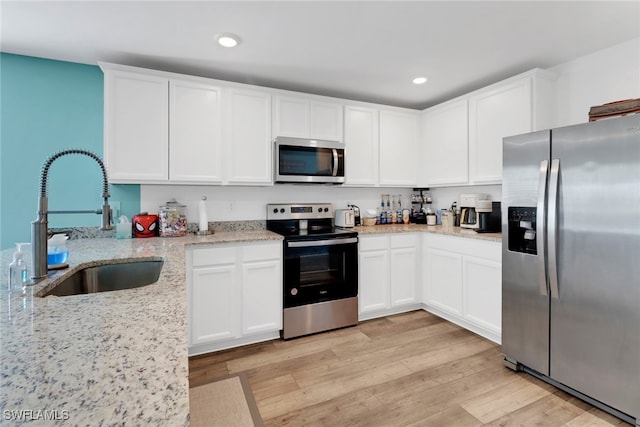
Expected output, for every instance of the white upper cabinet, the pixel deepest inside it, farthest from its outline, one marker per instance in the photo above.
(361, 145)
(398, 148)
(136, 118)
(462, 138)
(195, 132)
(493, 114)
(307, 118)
(248, 136)
(445, 144)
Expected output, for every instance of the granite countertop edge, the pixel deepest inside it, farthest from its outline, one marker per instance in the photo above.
(435, 229)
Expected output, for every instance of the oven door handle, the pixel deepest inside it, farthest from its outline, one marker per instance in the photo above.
(328, 242)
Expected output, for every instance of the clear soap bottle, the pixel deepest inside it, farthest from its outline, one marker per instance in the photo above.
(18, 276)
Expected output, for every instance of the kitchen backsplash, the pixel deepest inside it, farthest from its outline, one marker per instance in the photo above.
(239, 204)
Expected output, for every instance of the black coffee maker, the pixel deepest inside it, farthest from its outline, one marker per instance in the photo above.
(489, 216)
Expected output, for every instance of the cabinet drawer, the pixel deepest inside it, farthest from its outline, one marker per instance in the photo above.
(214, 255)
(373, 243)
(404, 241)
(262, 251)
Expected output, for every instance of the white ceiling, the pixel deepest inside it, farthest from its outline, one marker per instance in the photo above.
(360, 50)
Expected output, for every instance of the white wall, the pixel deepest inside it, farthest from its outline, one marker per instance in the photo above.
(249, 203)
(607, 75)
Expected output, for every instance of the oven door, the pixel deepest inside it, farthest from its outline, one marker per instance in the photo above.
(320, 270)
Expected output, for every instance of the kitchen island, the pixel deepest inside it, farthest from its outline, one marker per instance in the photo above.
(105, 358)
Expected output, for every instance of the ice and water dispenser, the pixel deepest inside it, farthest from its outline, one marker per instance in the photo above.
(522, 230)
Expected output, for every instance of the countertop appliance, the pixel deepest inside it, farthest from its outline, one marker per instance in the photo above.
(571, 278)
(320, 280)
(312, 161)
(468, 213)
(345, 218)
(489, 216)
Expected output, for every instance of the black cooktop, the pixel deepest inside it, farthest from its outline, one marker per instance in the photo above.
(316, 230)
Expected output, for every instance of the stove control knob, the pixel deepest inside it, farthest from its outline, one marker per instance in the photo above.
(281, 210)
(319, 209)
(326, 209)
(294, 291)
(275, 210)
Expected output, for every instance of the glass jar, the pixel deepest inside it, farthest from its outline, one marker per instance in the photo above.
(172, 219)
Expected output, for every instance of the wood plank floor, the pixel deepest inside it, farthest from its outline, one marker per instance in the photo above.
(411, 369)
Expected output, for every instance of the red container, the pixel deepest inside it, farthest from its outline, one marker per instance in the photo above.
(145, 225)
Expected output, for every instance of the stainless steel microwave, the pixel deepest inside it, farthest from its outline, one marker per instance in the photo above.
(299, 160)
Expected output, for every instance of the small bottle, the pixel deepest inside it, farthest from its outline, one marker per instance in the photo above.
(399, 209)
(394, 211)
(388, 209)
(17, 270)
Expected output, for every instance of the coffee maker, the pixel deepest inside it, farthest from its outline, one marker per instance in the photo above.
(489, 216)
(468, 209)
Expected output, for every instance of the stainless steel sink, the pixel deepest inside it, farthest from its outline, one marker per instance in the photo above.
(109, 277)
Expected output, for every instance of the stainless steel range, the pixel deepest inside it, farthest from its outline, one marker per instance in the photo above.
(320, 268)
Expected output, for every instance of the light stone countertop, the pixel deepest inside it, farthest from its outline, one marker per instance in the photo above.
(110, 358)
(437, 229)
(113, 358)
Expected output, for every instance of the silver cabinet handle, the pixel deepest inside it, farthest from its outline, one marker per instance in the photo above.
(552, 228)
(541, 225)
(335, 162)
(328, 242)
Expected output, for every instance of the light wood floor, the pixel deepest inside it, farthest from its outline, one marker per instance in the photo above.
(411, 369)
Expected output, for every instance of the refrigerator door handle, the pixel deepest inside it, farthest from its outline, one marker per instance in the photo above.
(541, 227)
(552, 227)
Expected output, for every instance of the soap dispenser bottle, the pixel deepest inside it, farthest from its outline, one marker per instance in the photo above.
(18, 276)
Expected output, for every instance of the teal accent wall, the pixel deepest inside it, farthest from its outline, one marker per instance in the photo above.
(47, 106)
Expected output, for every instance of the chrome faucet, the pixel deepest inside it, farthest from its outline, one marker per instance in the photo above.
(39, 227)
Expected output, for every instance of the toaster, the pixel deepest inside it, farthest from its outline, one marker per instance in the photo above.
(344, 218)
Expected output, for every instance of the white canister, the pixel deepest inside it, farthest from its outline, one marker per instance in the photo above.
(431, 219)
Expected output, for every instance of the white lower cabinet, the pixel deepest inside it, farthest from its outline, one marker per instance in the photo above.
(462, 279)
(389, 274)
(234, 294)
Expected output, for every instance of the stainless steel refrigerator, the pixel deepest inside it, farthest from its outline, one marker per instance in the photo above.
(571, 260)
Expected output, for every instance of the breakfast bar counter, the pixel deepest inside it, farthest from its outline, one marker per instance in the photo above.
(109, 358)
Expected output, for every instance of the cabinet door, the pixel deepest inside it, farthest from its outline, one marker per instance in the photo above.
(291, 117)
(494, 114)
(404, 269)
(444, 280)
(248, 137)
(374, 280)
(361, 146)
(398, 148)
(136, 120)
(483, 293)
(195, 132)
(403, 276)
(214, 304)
(261, 296)
(326, 121)
(445, 144)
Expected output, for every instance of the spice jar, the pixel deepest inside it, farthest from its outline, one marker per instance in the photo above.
(173, 219)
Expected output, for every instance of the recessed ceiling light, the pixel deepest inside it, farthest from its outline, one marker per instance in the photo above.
(227, 39)
(419, 80)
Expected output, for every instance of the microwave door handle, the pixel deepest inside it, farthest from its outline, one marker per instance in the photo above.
(541, 226)
(335, 162)
(552, 228)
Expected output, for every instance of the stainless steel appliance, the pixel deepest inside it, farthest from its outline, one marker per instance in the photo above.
(314, 161)
(320, 268)
(468, 212)
(570, 276)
